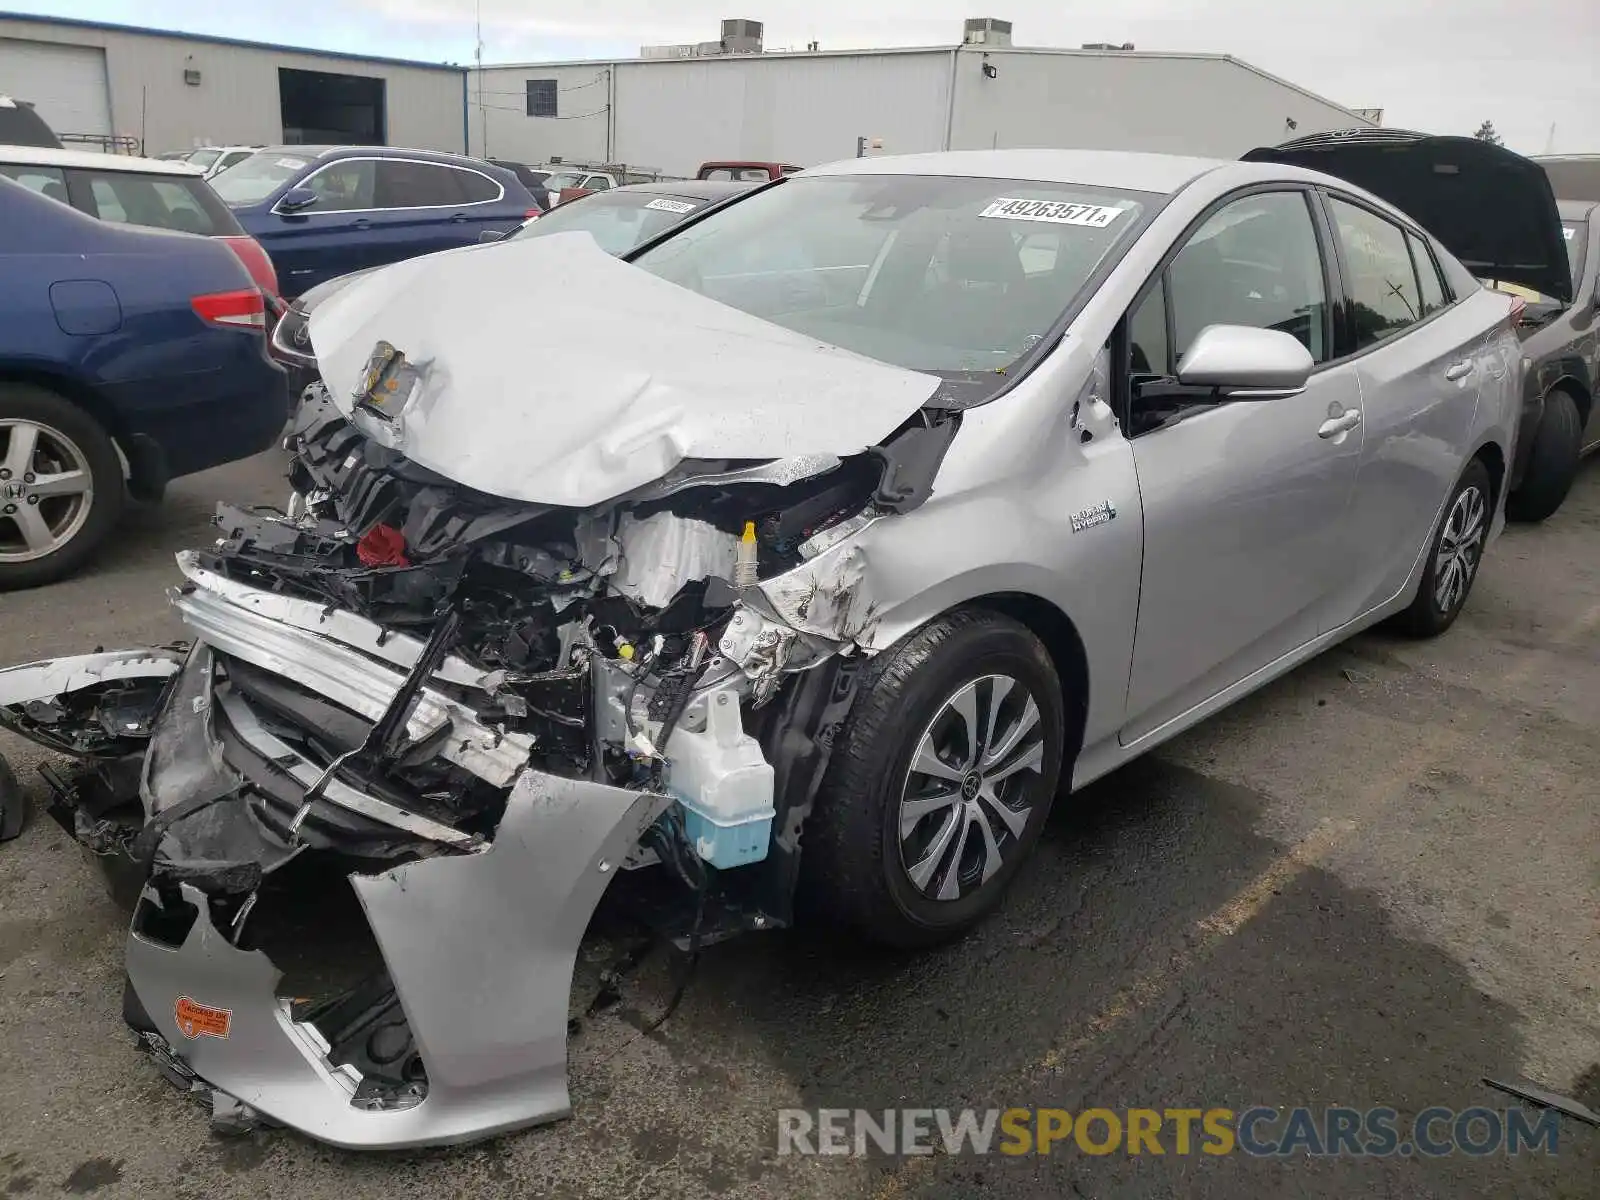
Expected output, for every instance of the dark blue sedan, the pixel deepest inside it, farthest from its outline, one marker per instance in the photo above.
(322, 211)
(115, 337)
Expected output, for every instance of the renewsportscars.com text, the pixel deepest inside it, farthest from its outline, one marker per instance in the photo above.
(1258, 1131)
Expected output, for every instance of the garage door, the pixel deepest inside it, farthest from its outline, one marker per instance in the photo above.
(67, 84)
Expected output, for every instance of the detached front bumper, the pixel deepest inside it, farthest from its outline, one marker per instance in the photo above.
(463, 1033)
(480, 949)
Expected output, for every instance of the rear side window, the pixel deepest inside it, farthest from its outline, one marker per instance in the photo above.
(476, 188)
(1380, 277)
(158, 202)
(403, 184)
(597, 183)
(1430, 289)
(47, 181)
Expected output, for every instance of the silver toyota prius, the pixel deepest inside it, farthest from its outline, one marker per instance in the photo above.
(808, 553)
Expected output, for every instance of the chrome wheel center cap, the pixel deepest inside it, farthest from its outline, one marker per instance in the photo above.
(970, 786)
(13, 490)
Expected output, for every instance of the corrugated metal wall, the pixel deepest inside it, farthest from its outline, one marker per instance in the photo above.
(237, 98)
(802, 109)
(1169, 103)
(501, 128)
(809, 108)
(673, 114)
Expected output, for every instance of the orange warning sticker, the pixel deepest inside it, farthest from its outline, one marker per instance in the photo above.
(197, 1020)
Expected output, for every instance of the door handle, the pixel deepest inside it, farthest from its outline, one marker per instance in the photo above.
(458, 219)
(1458, 370)
(1344, 423)
(361, 223)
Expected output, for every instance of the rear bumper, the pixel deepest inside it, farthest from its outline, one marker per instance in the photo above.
(205, 419)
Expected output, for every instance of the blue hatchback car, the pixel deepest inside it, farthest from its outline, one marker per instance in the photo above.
(116, 338)
(323, 211)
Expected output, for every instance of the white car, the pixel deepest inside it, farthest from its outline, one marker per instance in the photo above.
(214, 160)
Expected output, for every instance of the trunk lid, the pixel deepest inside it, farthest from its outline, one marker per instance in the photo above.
(1491, 208)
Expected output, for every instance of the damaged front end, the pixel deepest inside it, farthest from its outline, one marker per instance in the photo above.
(481, 710)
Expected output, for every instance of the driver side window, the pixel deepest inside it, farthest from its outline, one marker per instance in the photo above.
(1254, 262)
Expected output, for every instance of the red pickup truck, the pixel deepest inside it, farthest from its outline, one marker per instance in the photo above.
(746, 172)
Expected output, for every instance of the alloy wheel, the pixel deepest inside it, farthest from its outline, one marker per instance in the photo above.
(969, 790)
(1460, 549)
(46, 490)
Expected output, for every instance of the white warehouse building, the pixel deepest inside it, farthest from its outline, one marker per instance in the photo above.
(155, 90)
(668, 110)
(677, 106)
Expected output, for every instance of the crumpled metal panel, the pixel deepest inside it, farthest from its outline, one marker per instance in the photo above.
(485, 393)
(352, 679)
(57, 676)
(481, 950)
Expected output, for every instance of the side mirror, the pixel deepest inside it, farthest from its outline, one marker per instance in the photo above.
(491, 235)
(1245, 363)
(296, 199)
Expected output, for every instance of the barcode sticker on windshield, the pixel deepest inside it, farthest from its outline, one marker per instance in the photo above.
(1057, 212)
(291, 164)
(672, 206)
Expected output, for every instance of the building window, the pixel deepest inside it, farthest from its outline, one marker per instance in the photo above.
(541, 97)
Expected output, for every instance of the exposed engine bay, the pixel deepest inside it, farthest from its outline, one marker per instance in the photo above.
(481, 710)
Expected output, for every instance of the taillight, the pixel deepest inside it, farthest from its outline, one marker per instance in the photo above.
(239, 310)
(532, 213)
(255, 261)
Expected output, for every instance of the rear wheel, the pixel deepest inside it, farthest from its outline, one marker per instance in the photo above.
(940, 783)
(1552, 462)
(61, 486)
(1454, 557)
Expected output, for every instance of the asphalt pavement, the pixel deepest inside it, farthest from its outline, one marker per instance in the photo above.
(1370, 885)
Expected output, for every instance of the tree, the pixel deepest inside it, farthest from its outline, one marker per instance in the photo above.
(1486, 133)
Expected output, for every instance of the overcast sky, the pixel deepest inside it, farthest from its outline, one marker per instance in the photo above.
(1439, 65)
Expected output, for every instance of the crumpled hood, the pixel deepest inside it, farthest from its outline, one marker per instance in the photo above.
(547, 371)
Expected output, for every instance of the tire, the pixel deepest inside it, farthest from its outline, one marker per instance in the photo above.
(1454, 556)
(1552, 463)
(861, 865)
(44, 538)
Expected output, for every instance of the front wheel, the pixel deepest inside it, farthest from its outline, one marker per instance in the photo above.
(1453, 559)
(940, 782)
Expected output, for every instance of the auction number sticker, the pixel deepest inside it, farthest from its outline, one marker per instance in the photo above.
(291, 164)
(1567, 231)
(1056, 212)
(672, 206)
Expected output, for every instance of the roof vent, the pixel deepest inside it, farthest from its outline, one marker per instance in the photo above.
(986, 31)
(741, 37)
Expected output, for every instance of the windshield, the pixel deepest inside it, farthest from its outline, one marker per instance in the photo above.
(257, 177)
(564, 179)
(202, 158)
(618, 221)
(938, 274)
